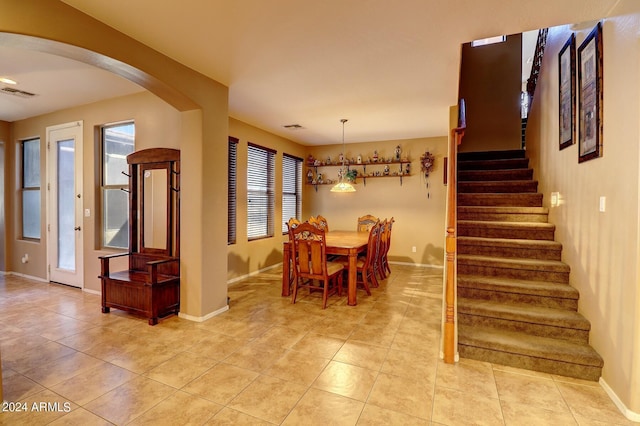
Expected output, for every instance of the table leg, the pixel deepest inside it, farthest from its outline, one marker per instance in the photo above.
(286, 258)
(353, 275)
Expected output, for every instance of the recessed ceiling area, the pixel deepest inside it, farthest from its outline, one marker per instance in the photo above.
(391, 68)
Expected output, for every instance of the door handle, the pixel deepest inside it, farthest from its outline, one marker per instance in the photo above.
(77, 228)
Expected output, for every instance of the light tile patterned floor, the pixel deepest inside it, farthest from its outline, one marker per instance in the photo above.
(266, 361)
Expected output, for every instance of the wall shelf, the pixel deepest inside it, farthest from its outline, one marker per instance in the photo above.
(378, 172)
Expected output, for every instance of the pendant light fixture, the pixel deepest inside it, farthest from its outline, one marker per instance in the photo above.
(342, 185)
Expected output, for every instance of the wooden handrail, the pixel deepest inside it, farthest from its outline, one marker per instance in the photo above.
(450, 286)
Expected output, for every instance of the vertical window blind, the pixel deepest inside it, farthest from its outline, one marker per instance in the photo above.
(291, 189)
(260, 192)
(231, 185)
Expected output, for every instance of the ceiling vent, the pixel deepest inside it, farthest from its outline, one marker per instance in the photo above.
(17, 92)
(293, 126)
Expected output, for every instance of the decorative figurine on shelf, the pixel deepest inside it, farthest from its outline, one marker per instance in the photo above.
(309, 176)
(375, 156)
(341, 158)
(359, 160)
(408, 169)
(319, 180)
(328, 160)
(310, 160)
(398, 151)
(340, 174)
(386, 170)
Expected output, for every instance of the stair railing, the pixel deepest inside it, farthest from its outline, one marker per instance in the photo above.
(450, 245)
(532, 81)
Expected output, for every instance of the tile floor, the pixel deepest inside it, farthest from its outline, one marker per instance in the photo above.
(266, 361)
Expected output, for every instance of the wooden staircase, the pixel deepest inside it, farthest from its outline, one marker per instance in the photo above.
(515, 304)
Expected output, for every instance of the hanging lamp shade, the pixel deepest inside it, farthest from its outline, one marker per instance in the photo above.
(342, 185)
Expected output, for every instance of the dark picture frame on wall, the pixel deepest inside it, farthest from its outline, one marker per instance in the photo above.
(567, 92)
(590, 96)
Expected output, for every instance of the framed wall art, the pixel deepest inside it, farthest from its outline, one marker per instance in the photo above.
(590, 96)
(567, 92)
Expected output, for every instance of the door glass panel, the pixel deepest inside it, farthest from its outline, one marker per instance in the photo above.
(66, 205)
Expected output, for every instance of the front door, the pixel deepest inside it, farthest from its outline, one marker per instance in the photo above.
(64, 203)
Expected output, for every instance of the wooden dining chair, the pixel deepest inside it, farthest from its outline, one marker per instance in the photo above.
(366, 222)
(320, 222)
(382, 263)
(293, 222)
(311, 269)
(366, 264)
(378, 266)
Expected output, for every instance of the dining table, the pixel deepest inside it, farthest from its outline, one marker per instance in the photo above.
(343, 243)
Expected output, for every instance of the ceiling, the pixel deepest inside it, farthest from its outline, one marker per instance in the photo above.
(391, 68)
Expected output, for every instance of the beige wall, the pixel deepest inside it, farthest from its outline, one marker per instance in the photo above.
(5, 137)
(203, 106)
(490, 83)
(420, 221)
(157, 125)
(247, 257)
(601, 248)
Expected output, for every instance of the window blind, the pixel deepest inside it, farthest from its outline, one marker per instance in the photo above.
(260, 192)
(231, 185)
(291, 189)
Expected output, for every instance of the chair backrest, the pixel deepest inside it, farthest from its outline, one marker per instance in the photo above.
(366, 222)
(372, 246)
(320, 222)
(293, 222)
(384, 233)
(388, 236)
(308, 251)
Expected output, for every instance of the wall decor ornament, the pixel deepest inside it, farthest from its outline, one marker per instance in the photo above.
(590, 96)
(567, 92)
(426, 166)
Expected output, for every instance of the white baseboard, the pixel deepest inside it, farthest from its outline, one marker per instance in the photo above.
(29, 277)
(419, 265)
(631, 415)
(251, 274)
(96, 292)
(203, 318)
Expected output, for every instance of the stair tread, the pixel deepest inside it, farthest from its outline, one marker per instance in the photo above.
(511, 242)
(515, 262)
(505, 224)
(505, 209)
(525, 344)
(524, 312)
(508, 153)
(514, 285)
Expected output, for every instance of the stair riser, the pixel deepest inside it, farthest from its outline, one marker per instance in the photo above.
(513, 233)
(491, 155)
(500, 296)
(542, 330)
(493, 175)
(524, 274)
(513, 200)
(497, 187)
(510, 252)
(518, 163)
(578, 371)
(503, 217)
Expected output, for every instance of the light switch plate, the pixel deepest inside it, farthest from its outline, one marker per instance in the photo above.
(603, 204)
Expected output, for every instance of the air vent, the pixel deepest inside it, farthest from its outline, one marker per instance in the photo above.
(293, 126)
(17, 92)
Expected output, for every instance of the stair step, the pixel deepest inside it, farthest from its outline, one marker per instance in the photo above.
(509, 290)
(533, 320)
(509, 247)
(507, 186)
(511, 163)
(495, 175)
(504, 214)
(524, 199)
(540, 270)
(499, 229)
(491, 155)
(553, 356)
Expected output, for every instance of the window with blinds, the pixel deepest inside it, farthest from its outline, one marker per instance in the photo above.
(291, 189)
(260, 192)
(231, 185)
